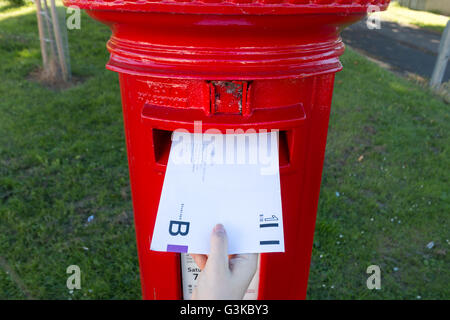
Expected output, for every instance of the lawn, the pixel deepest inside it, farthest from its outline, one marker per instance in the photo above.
(422, 19)
(65, 197)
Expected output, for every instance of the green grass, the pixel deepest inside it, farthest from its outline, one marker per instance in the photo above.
(63, 159)
(422, 19)
(394, 201)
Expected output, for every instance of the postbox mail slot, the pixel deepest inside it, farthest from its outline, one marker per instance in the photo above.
(162, 143)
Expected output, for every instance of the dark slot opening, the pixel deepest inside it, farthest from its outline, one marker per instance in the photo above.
(283, 142)
(162, 140)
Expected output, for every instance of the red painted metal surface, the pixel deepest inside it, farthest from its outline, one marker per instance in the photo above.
(236, 64)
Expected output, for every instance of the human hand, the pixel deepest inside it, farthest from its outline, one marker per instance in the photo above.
(223, 277)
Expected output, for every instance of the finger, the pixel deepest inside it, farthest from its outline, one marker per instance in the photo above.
(200, 260)
(218, 255)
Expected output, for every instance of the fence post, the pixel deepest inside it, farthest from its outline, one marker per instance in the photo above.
(58, 40)
(443, 56)
(41, 33)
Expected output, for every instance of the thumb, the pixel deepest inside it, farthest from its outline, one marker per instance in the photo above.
(243, 266)
(218, 255)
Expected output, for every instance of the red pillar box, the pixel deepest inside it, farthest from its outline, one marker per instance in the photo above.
(231, 64)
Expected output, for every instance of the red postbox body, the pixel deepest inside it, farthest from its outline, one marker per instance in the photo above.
(236, 64)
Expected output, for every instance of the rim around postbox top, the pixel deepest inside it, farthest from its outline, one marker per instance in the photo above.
(240, 7)
(226, 39)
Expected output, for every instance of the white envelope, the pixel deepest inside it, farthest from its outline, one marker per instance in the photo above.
(231, 179)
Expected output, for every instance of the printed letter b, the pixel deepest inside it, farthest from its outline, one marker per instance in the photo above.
(179, 229)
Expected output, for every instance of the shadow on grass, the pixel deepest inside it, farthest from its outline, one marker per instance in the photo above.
(10, 6)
